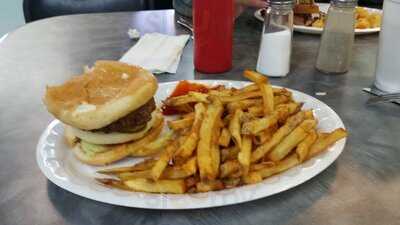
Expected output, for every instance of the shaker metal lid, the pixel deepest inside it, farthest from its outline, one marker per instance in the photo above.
(280, 2)
(344, 3)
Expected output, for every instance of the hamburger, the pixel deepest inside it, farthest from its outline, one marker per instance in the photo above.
(304, 12)
(107, 108)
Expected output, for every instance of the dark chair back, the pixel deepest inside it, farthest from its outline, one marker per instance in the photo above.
(39, 9)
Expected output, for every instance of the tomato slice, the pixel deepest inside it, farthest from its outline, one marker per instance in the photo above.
(183, 88)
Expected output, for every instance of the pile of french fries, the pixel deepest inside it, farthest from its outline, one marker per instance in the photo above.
(230, 137)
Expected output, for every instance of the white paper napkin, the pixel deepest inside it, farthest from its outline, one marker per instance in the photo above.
(156, 52)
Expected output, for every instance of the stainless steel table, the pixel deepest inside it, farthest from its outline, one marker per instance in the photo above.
(361, 187)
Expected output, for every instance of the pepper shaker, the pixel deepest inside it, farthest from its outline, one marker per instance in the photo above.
(335, 49)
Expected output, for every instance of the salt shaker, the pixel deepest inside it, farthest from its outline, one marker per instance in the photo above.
(276, 42)
(388, 63)
(335, 49)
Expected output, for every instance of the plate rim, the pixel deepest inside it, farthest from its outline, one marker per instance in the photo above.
(316, 30)
(93, 195)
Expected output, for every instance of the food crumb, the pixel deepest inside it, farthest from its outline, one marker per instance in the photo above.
(125, 76)
(320, 93)
(367, 89)
(133, 34)
(87, 69)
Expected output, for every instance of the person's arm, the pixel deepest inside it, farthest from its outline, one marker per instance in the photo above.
(183, 7)
(241, 5)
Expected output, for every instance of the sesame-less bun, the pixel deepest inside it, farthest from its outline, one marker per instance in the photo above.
(116, 137)
(102, 95)
(116, 152)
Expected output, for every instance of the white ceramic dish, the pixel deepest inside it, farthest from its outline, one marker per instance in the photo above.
(58, 164)
(315, 30)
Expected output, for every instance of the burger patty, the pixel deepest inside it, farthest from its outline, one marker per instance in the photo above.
(133, 122)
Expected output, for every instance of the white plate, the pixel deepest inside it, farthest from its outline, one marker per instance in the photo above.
(59, 165)
(323, 7)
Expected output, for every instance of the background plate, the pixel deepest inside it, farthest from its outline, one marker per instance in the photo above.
(323, 7)
(58, 164)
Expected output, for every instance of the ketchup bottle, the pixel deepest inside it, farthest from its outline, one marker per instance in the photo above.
(213, 31)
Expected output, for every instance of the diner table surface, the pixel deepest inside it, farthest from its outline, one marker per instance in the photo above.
(361, 187)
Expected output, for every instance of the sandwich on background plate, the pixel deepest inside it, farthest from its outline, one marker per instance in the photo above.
(103, 109)
(305, 12)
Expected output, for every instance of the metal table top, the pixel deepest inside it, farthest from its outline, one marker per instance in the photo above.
(361, 187)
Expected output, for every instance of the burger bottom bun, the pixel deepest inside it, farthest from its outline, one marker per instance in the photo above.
(101, 159)
(102, 138)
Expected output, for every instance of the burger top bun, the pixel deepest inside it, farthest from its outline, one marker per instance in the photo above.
(105, 93)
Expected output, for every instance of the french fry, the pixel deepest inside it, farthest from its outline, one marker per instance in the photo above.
(270, 134)
(215, 162)
(176, 172)
(181, 123)
(228, 168)
(144, 165)
(244, 104)
(191, 182)
(262, 165)
(162, 162)
(247, 117)
(153, 147)
(215, 150)
(219, 93)
(281, 166)
(255, 126)
(186, 170)
(227, 119)
(189, 98)
(224, 138)
(245, 154)
(249, 88)
(234, 127)
(255, 77)
(237, 174)
(286, 110)
(281, 99)
(190, 143)
(229, 153)
(304, 146)
(268, 98)
(212, 114)
(265, 135)
(282, 112)
(254, 87)
(256, 111)
(324, 142)
(239, 97)
(252, 178)
(309, 115)
(231, 182)
(113, 183)
(282, 132)
(292, 140)
(135, 174)
(211, 185)
(287, 163)
(159, 186)
(281, 91)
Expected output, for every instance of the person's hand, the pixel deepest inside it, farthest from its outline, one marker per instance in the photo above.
(241, 5)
